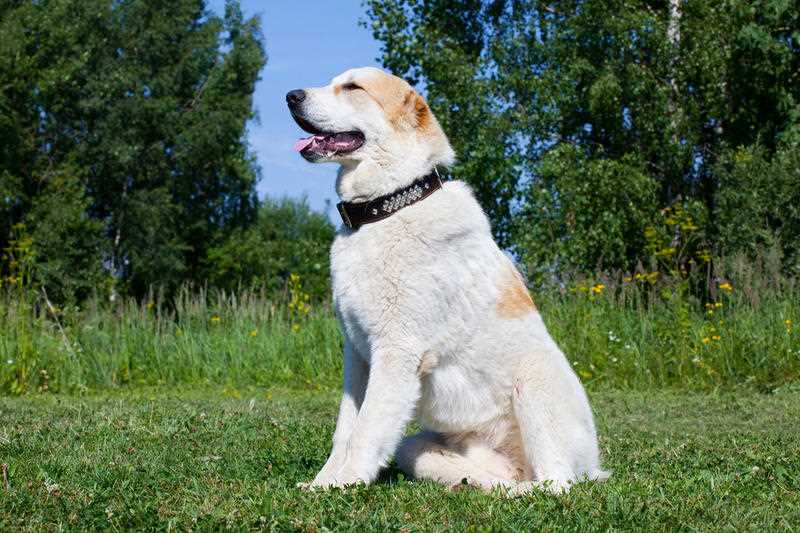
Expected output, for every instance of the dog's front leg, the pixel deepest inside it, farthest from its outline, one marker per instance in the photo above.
(354, 388)
(392, 394)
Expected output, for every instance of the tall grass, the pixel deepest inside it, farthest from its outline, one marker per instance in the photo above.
(635, 331)
(245, 338)
(648, 332)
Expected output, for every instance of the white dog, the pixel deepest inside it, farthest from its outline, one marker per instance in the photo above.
(438, 322)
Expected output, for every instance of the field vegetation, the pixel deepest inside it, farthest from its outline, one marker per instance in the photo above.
(212, 458)
(632, 331)
(169, 357)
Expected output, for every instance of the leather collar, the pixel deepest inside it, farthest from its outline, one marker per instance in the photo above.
(356, 214)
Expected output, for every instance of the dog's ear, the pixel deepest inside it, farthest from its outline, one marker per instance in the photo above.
(415, 110)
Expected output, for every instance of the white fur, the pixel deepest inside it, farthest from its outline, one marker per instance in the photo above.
(417, 297)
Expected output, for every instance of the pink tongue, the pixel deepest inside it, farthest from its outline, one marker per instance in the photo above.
(301, 144)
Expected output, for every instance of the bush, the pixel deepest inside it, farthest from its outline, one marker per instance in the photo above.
(585, 213)
(758, 203)
(287, 238)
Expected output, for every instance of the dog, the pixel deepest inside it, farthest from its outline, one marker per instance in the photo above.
(438, 323)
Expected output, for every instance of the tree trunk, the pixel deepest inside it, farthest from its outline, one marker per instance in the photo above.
(674, 39)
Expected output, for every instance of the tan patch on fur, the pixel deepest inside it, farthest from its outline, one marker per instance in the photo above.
(427, 364)
(514, 300)
(401, 103)
(337, 89)
(423, 114)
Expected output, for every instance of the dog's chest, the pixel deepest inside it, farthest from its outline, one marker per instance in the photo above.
(373, 275)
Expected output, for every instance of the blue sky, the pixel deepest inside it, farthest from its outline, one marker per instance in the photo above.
(308, 43)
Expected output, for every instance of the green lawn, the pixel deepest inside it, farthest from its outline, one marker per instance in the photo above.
(210, 458)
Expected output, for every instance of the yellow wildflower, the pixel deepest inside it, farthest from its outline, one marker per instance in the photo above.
(254, 333)
(295, 327)
(706, 340)
(597, 289)
(726, 286)
(718, 304)
(150, 305)
(715, 337)
(215, 319)
(787, 322)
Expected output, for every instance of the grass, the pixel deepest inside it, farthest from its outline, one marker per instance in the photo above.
(208, 458)
(625, 335)
(225, 339)
(206, 413)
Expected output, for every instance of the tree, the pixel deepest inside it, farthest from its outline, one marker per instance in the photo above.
(612, 94)
(145, 103)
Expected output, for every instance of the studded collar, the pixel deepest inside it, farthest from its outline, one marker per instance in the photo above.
(356, 214)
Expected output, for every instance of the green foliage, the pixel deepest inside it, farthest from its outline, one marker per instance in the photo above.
(133, 114)
(640, 331)
(548, 101)
(22, 325)
(287, 238)
(214, 459)
(585, 214)
(68, 246)
(758, 202)
(246, 338)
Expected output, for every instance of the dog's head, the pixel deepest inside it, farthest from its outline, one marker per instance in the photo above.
(367, 115)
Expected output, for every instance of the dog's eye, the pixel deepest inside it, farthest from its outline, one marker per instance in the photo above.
(351, 87)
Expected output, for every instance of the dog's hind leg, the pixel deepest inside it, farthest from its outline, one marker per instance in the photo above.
(427, 455)
(555, 423)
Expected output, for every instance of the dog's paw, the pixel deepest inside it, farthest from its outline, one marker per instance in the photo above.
(310, 486)
(304, 485)
(324, 482)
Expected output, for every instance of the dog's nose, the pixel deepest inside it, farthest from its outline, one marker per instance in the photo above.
(295, 97)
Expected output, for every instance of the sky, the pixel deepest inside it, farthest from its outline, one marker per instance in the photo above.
(307, 44)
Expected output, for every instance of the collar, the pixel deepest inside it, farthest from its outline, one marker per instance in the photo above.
(356, 214)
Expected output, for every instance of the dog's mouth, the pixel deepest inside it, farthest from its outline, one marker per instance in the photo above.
(326, 144)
